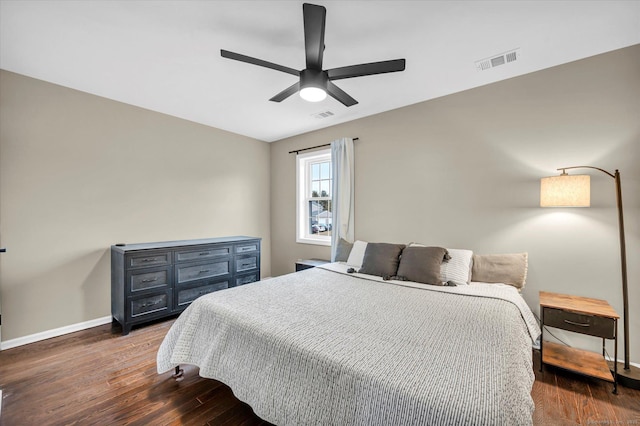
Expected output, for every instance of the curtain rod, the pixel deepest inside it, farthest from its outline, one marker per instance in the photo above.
(296, 151)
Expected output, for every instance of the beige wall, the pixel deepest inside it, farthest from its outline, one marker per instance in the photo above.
(463, 171)
(80, 172)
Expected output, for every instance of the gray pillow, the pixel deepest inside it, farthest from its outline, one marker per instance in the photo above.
(381, 259)
(500, 268)
(343, 250)
(422, 264)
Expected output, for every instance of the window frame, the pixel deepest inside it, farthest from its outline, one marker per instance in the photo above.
(303, 188)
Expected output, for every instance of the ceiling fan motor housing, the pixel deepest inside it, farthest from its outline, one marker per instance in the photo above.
(313, 78)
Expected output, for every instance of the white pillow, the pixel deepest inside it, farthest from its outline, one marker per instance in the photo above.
(458, 268)
(357, 254)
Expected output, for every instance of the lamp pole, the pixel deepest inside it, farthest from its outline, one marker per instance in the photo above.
(623, 256)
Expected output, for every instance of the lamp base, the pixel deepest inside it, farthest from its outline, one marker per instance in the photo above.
(628, 378)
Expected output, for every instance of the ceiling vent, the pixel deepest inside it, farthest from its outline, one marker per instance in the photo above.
(497, 60)
(324, 114)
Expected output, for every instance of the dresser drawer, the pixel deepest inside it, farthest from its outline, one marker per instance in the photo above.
(203, 253)
(150, 305)
(201, 271)
(247, 278)
(146, 279)
(580, 323)
(149, 258)
(188, 295)
(246, 263)
(247, 248)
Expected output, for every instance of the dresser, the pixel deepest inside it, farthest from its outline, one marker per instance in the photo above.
(155, 280)
(592, 317)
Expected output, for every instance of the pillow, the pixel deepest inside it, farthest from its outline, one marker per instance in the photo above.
(422, 264)
(357, 254)
(381, 259)
(500, 268)
(343, 250)
(458, 268)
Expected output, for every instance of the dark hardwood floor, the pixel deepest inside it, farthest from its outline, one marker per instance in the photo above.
(102, 378)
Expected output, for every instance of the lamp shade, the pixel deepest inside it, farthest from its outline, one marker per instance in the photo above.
(565, 191)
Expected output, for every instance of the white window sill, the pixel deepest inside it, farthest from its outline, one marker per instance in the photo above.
(313, 241)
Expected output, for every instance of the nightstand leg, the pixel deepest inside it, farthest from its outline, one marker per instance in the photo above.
(615, 358)
(541, 335)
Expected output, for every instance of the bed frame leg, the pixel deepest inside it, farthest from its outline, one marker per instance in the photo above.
(179, 374)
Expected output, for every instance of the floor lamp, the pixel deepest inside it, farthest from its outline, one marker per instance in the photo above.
(574, 191)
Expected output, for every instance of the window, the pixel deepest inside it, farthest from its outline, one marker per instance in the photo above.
(314, 198)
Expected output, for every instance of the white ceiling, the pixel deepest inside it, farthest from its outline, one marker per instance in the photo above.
(165, 55)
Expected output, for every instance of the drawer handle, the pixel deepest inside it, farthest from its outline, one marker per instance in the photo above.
(246, 248)
(205, 254)
(203, 271)
(150, 280)
(149, 259)
(579, 324)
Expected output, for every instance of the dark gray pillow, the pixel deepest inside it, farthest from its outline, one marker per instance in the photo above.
(422, 264)
(381, 259)
(343, 250)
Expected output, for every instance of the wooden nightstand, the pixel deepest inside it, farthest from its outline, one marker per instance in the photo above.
(303, 264)
(593, 317)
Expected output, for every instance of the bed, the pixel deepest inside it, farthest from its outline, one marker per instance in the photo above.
(324, 346)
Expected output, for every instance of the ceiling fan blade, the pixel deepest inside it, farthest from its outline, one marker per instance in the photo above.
(259, 62)
(286, 93)
(366, 69)
(314, 23)
(340, 95)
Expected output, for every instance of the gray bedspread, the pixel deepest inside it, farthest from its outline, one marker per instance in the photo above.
(321, 347)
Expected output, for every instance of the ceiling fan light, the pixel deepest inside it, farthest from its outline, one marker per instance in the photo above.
(313, 94)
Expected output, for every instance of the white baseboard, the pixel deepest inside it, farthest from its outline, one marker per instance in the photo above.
(32, 338)
(621, 361)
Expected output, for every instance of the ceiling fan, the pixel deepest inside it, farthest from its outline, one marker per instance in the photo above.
(315, 83)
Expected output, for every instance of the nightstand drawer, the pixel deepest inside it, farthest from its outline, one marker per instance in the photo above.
(580, 323)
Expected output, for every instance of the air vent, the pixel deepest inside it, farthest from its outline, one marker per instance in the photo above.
(497, 60)
(324, 114)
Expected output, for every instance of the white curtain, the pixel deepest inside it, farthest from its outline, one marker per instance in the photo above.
(342, 192)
